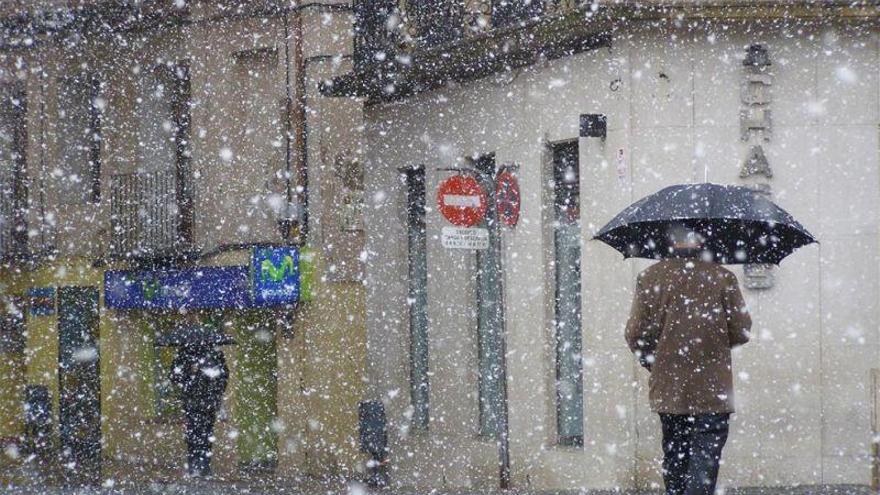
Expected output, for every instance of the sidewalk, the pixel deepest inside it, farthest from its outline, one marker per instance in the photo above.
(209, 487)
(24, 481)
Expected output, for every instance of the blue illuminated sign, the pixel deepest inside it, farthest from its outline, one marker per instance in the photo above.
(272, 279)
(276, 276)
(207, 287)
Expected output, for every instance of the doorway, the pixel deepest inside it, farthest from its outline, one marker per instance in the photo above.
(253, 386)
(256, 394)
(79, 384)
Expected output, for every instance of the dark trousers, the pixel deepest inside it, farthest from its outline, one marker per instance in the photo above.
(691, 452)
(199, 428)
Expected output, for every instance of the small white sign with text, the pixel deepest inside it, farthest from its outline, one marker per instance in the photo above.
(465, 238)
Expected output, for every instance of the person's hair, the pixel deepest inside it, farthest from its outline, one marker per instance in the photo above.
(685, 242)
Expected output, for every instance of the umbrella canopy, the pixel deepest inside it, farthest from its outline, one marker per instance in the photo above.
(738, 225)
(194, 335)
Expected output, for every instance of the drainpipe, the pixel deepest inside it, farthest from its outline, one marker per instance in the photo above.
(296, 125)
(286, 220)
(299, 109)
(296, 169)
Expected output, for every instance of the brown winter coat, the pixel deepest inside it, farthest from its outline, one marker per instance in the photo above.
(686, 316)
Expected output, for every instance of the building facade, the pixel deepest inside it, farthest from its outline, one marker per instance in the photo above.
(174, 148)
(506, 364)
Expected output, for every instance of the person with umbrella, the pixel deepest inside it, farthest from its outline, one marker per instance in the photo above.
(688, 311)
(687, 315)
(200, 372)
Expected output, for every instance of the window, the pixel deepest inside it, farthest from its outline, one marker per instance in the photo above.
(78, 176)
(164, 396)
(510, 12)
(13, 172)
(490, 315)
(164, 144)
(418, 297)
(157, 126)
(12, 327)
(435, 22)
(373, 41)
(567, 297)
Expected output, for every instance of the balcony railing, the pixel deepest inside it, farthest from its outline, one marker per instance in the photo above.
(405, 46)
(149, 215)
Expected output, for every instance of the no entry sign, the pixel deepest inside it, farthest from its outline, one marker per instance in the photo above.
(461, 200)
(507, 198)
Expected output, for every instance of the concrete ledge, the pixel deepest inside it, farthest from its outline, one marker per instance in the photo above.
(776, 490)
(804, 490)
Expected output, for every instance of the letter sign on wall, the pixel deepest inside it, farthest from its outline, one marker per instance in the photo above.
(462, 201)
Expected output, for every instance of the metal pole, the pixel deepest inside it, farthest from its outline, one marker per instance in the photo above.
(504, 424)
(504, 441)
(875, 424)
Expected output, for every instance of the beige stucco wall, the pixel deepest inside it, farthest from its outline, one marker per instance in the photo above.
(237, 70)
(238, 89)
(802, 384)
(228, 114)
(320, 382)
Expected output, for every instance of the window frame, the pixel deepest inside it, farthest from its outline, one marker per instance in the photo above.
(416, 227)
(17, 189)
(92, 195)
(575, 337)
(177, 75)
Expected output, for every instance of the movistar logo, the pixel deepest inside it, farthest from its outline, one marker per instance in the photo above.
(271, 272)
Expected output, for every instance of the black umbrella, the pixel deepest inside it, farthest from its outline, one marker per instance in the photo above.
(194, 335)
(738, 225)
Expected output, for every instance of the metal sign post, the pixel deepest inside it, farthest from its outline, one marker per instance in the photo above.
(487, 241)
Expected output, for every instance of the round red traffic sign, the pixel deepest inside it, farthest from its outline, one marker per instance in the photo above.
(507, 198)
(461, 200)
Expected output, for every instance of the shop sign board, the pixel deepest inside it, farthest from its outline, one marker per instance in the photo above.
(276, 275)
(210, 287)
(464, 238)
(462, 201)
(271, 280)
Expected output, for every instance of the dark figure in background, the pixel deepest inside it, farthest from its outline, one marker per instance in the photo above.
(686, 316)
(201, 373)
(374, 441)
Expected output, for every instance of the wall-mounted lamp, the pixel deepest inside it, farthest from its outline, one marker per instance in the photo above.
(757, 57)
(289, 216)
(594, 125)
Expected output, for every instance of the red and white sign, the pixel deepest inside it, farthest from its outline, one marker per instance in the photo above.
(461, 200)
(622, 172)
(507, 198)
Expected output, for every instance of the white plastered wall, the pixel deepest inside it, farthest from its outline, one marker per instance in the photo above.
(802, 384)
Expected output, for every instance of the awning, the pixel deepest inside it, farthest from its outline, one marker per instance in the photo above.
(427, 68)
